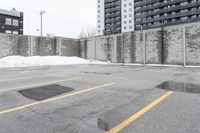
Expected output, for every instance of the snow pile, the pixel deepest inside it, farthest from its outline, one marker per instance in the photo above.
(20, 61)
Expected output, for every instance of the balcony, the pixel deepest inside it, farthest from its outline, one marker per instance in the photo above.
(172, 9)
(161, 5)
(142, 3)
(111, 1)
(114, 4)
(110, 10)
(170, 23)
(113, 15)
(168, 17)
(113, 20)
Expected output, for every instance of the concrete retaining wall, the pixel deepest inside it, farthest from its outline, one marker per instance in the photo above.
(42, 46)
(8, 45)
(174, 45)
(193, 45)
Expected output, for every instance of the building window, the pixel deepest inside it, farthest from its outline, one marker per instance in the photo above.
(8, 31)
(15, 32)
(15, 22)
(8, 21)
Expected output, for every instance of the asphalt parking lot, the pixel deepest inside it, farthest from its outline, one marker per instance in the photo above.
(100, 99)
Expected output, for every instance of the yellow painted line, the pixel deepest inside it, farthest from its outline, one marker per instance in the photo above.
(135, 116)
(38, 84)
(28, 77)
(54, 99)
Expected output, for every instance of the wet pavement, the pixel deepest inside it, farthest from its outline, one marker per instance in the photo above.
(180, 87)
(98, 99)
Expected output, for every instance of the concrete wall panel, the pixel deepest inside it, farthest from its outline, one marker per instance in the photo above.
(193, 45)
(43, 46)
(173, 46)
(70, 47)
(8, 45)
(119, 49)
(153, 47)
(138, 47)
(111, 53)
(24, 43)
(128, 48)
(82, 48)
(102, 48)
(91, 48)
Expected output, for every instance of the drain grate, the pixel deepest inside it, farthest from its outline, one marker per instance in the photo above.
(180, 87)
(44, 92)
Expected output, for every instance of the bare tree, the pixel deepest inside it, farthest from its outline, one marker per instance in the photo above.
(87, 33)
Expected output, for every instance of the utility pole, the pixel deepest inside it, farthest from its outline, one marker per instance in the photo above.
(41, 28)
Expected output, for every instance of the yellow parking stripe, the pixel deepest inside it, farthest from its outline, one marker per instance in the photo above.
(54, 99)
(135, 116)
(38, 84)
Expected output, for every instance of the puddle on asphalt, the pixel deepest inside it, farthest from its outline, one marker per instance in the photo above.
(44, 92)
(180, 87)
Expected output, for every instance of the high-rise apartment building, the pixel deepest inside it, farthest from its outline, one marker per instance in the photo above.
(157, 13)
(115, 16)
(118, 16)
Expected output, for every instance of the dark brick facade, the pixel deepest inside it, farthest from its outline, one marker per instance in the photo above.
(16, 28)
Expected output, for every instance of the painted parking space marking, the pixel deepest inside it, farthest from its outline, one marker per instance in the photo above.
(135, 116)
(38, 84)
(55, 98)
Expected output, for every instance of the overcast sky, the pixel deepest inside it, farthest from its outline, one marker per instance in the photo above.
(63, 18)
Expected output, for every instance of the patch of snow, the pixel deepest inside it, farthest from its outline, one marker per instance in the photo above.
(21, 61)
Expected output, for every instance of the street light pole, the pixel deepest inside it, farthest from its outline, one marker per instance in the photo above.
(41, 24)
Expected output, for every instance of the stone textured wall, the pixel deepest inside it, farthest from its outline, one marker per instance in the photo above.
(8, 45)
(138, 47)
(155, 46)
(119, 52)
(102, 49)
(128, 47)
(91, 48)
(44, 46)
(41, 46)
(173, 46)
(192, 45)
(69, 47)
